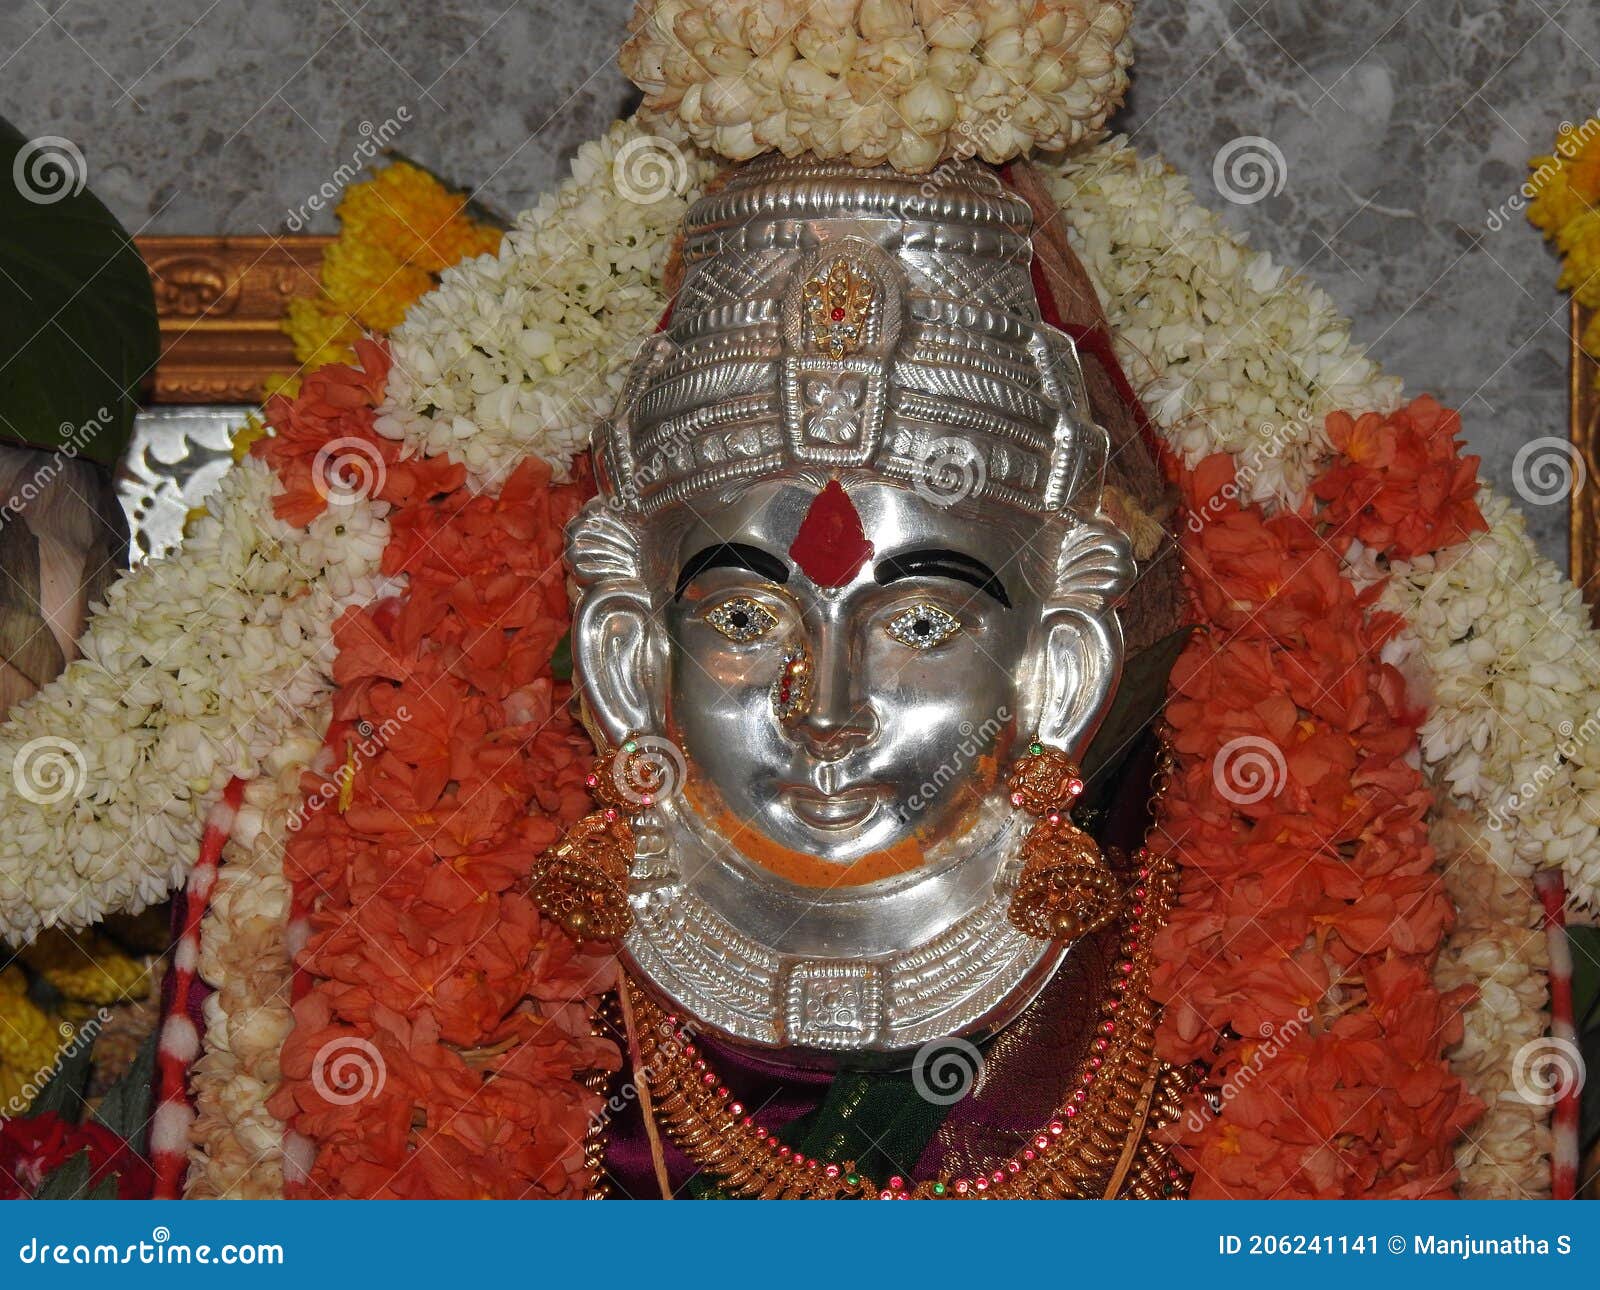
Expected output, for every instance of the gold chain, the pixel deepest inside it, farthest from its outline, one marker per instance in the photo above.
(1098, 1143)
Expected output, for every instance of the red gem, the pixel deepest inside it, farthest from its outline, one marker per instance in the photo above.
(832, 1171)
(831, 546)
(962, 1186)
(982, 1184)
(896, 1183)
(838, 313)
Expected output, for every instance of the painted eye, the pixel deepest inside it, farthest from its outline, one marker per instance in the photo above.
(923, 626)
(742, 619)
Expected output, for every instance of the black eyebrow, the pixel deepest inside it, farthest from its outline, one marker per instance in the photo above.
(939, 563)
(732, 555)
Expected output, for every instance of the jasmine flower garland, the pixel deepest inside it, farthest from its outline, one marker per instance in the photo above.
(524, 351)
(195, 667)
(238, 1142)
(1229, 351)
(908, 82)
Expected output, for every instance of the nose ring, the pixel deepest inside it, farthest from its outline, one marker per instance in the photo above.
(791, 692)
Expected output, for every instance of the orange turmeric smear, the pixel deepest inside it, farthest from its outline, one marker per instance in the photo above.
(796, 866)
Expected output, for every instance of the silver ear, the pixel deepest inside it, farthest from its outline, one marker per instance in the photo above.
(1083, 642)
(618, 653)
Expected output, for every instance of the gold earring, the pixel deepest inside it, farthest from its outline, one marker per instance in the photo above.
(582, 882)
(1066, 889)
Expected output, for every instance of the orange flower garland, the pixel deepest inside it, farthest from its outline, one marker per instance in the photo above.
(1297, 966)
(426, 964)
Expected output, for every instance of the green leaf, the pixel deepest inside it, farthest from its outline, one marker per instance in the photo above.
(78, 330)
(561, 659)
(125, 1109)
(1140, 700)
(70, 1182)
(64, 1092)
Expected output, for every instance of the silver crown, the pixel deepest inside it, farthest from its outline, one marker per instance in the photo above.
(843, 318)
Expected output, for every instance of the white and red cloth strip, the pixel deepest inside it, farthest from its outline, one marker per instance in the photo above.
(180, 1039)
(1565, 1062)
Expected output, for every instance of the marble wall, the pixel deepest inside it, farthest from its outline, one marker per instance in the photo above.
(1404, 126)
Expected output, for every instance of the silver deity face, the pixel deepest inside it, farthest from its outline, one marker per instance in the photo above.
(830, 870)
(915, 680)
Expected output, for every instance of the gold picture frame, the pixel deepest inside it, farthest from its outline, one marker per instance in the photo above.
(221, 302)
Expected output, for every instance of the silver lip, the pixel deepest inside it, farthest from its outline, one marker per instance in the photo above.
(841, 810)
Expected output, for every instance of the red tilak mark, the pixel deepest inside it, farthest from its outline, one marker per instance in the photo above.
(831, 546)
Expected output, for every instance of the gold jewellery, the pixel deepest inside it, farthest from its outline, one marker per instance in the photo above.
(1066, 889)
(1101, 1142)
(582, 883)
